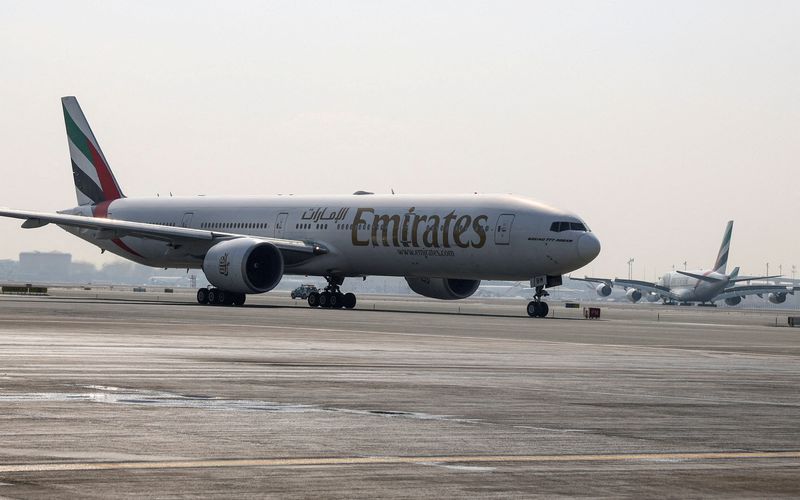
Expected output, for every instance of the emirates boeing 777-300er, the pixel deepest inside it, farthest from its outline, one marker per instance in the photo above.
(443, 245)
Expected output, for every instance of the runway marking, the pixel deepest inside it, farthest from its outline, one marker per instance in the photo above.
(392, 460)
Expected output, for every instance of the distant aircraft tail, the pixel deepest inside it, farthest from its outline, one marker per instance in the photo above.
(94, 181)
(722, 257)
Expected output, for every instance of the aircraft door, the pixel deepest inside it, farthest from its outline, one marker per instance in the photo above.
(280, 224)
(502, 230)
(187, 219)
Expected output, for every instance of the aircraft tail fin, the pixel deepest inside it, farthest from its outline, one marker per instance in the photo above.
(722, 257)
(94, 180)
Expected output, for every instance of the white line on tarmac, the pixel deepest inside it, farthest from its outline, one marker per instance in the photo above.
(393, 460)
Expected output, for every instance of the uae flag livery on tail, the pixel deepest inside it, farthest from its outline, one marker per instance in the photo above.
(722, 257)
(94, 181)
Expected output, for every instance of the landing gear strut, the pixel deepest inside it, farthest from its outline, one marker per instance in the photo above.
(332, 297)
(217, 297)
(538, 308)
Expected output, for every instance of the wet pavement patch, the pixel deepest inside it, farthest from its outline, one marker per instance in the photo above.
(126, 396)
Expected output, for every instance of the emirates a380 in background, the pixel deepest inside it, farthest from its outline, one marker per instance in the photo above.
(443, 245)
(701, 286)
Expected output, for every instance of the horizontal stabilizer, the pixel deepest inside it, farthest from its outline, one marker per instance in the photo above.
(700, 277)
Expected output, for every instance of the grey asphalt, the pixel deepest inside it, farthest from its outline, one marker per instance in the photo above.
(115, 394)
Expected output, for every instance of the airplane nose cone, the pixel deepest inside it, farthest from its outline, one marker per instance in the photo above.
(588, 247)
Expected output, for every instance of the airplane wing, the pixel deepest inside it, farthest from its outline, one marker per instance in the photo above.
(741, 291)
(589, 279)
(643, 286)
(112, 228)
(646, 286)
(752, 278)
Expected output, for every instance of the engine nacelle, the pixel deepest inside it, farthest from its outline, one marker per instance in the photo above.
(244, 265)
(603, 290)
(777, 298)
(733, 301)
(652, 297)
(443, 288)
(633, 295)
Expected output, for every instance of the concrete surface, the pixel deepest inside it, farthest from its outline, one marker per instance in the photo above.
(115, 394)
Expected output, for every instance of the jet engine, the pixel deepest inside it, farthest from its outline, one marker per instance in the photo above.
(633, 295)
(777, 298)
(733, 301)
(244, 265)
(603, 290)
(443, 288)
(652, 297)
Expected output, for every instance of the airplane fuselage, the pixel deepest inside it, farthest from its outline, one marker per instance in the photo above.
(689, 289)
(453, 236)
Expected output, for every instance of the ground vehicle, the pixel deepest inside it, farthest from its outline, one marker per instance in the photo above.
(303, 291)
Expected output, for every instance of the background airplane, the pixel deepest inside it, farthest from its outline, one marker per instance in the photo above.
(701, 286)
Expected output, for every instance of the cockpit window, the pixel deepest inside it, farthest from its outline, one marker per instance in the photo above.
(560, 226)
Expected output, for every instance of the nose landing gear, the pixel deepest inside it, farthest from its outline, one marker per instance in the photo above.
(332, 297)
(538, 308)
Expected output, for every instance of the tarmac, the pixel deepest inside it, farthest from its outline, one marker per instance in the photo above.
(129, 395)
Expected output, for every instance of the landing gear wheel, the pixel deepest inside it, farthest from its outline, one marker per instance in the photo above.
(313, 299)
(213, 298)
(202, 296)
(239, 299)
(223, 298)
(537, 308)
(332, 297)
(543, 309)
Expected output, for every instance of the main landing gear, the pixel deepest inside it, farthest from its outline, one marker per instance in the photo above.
(538, 308)
(332, 297)
(217, 297)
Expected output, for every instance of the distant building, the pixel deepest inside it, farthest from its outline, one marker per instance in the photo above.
(45, 266)
(7, 268)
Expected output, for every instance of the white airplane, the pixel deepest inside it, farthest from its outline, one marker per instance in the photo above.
(443, 245)
(703, 286)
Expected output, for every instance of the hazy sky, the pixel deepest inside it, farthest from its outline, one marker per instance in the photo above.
(654, 121)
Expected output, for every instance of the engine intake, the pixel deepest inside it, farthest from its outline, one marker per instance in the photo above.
(603, 290)
(777, 298)
(733, 301)
(633, 295)
(244, 265)
(443, 288)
